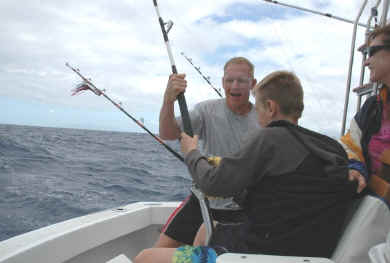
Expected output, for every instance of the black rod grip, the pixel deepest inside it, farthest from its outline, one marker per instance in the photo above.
(185, 116)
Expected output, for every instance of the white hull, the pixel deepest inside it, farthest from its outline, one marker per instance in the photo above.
(102, 236)
(97, 237)
(112, 236)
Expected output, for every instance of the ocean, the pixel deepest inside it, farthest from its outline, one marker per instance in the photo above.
(48, 175)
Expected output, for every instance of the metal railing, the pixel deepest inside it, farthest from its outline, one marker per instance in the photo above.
(365, 89)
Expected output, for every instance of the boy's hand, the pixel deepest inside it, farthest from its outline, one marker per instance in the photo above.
(188, 143)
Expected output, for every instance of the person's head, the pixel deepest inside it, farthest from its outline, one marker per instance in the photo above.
(378, 55)
(237, 82)
(279, 96)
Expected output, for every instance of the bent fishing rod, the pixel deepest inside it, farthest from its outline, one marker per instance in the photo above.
(88, 85)
(315, 12)
(207, 79)
(203, 201)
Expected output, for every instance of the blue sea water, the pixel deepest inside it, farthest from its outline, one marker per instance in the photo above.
(48, 175)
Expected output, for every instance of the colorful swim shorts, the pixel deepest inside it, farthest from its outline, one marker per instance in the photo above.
(190, 254)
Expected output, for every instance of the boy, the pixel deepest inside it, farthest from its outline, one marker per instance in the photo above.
(296, 180)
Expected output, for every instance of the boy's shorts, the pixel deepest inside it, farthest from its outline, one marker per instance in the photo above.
(190, 254)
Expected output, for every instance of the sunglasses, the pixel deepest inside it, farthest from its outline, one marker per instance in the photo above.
(370, 51)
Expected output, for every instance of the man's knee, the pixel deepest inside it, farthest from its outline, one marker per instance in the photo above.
(142, 256)
(167, 242)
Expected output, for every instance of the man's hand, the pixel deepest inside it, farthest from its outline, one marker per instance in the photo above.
(176, 85)
(188, 143)
(355, 175)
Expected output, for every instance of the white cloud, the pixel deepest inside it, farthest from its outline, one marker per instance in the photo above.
(119, 45)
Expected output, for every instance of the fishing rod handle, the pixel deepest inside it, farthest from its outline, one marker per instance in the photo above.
(180, 98)
(185, 116)
(171, 59)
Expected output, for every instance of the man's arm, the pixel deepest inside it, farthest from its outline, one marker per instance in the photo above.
(168, 127)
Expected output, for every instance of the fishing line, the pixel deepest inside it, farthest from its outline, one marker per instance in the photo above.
(207, 79)
(88, 85)
(199, 40)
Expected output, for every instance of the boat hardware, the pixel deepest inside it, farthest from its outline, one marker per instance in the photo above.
(347, 90)
(205, 210)
(315, 12)
(373, 15)
(119, 209)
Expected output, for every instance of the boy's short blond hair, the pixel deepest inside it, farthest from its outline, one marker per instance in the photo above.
(285, 88)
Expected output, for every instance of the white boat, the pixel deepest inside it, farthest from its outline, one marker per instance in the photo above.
(118, 235)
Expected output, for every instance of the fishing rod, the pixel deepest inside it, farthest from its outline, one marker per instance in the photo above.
(203, 201)
(88, 85)
(181, 98)
(207, 79)
(316, 12)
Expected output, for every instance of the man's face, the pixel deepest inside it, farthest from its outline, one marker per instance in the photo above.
(237, 83)
(379, 62)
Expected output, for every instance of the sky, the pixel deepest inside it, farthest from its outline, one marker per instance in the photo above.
(119, 45)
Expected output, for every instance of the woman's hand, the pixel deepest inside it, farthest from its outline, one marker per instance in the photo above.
(188, 143)
(355, 175)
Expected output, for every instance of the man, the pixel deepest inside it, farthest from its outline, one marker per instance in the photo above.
(222, 126)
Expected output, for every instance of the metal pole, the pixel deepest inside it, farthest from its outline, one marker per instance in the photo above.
(382, 22)
(348, 89)
(385, 10)
(204, 208)
(315, 12)
(374, 13)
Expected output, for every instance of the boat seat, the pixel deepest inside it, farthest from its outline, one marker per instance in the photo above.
(368, 225)
(119, 259)
(381, 253)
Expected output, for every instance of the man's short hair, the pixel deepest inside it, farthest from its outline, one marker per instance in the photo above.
(241, 60)
(382, 30)
(285, 88)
